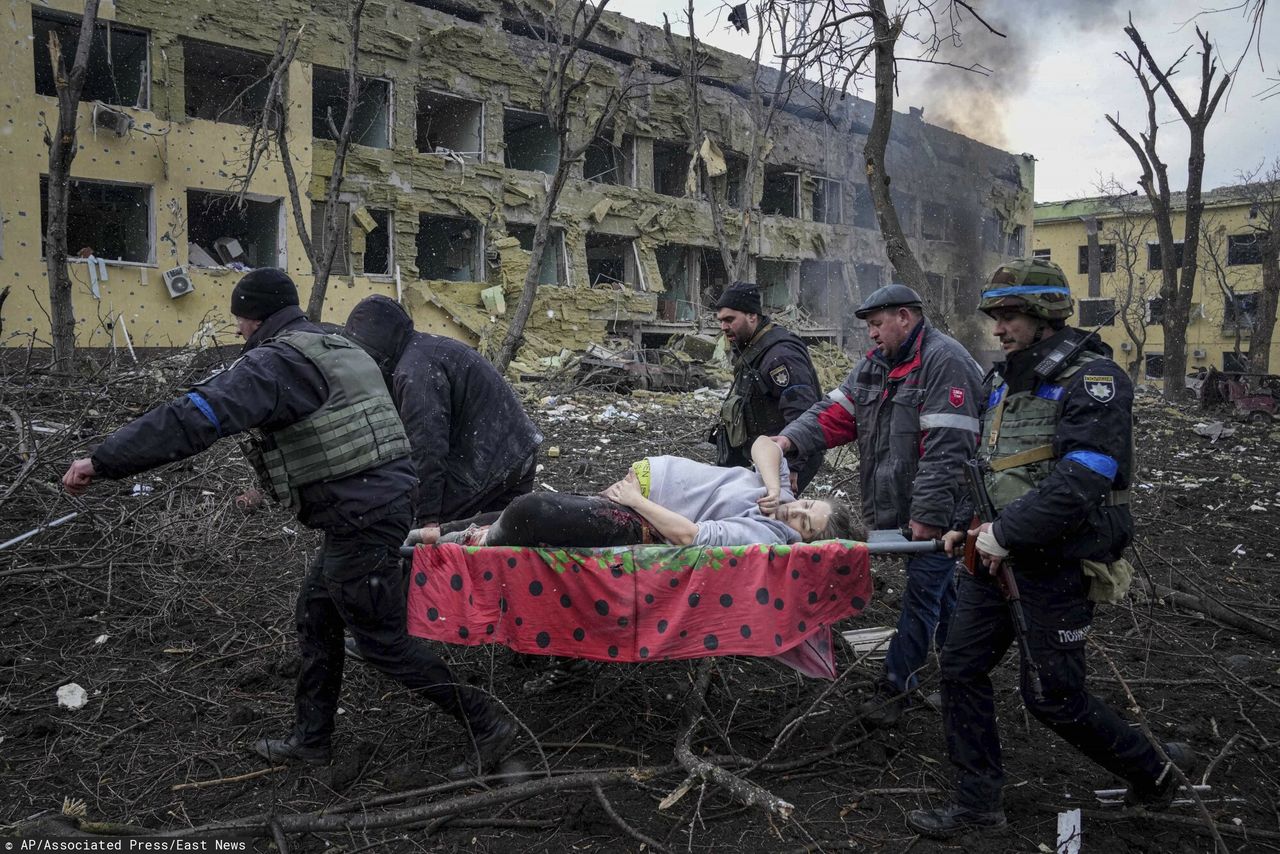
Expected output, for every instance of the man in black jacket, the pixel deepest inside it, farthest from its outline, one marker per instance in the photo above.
(474, 448)
(774, 381)
(326, 442)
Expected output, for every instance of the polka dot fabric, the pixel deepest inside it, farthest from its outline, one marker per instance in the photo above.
(642, 603)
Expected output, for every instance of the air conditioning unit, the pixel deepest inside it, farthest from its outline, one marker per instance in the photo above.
(113, 120)
(178, 282)
(1126, 346)
(1199, 354)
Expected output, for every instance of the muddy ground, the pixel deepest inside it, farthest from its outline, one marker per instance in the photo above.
(173, 610)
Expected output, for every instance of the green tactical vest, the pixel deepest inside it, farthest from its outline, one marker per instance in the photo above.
(357, 428)
(1018, 431)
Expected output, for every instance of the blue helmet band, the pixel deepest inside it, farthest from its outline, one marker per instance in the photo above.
(1019, 290)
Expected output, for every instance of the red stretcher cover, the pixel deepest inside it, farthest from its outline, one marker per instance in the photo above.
(643, 603)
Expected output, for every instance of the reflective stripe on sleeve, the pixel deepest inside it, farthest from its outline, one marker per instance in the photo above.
(933, 421)
(843, 399)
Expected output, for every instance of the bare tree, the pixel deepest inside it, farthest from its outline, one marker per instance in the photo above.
(564, 92)
(1235, 320)
(1128, 230)
(1262, 188)
(1176, 290)
(62, 151)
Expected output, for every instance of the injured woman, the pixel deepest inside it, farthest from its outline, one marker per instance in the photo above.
(670, 500)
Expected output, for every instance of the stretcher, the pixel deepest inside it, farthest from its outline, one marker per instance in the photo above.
(646, 603)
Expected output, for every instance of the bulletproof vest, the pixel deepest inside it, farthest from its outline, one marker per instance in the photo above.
(749, 411)
(355, 429)
(1018, 431)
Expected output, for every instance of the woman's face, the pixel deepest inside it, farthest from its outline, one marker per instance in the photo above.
(807, 517)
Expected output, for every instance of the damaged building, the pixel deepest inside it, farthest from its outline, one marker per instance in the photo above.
(446, 176)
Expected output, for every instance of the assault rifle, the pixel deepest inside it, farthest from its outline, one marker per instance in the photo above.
(985, 511)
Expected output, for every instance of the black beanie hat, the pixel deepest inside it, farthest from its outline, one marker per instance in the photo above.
(262, 293)
(381, 327)
(741, 296)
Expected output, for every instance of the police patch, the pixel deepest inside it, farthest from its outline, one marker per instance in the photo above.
(781, 376)
(956, 397)
(1100, 387)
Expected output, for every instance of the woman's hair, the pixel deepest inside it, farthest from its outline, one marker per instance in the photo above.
(841, 524)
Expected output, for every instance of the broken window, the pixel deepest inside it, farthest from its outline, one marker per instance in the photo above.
(993, 233)
(868, 278)
(673, 263)
(611, 262)
(106, 220)
(1098, 312)
(379, 244)
(822, 289)
(1153, 365)
(450, 248)
(777, 280)
(1154, 257)
(608, 159)
(552, 270)
(935, 223)
(118, 71)
(341, 258)
(1243, 249)
(712, 277)
(530, 142)
(1016, 239)
(371, 122)
(735, 177)
(670, 167)
(224, 84)
(222, 232)
(1240, 311)
(1155, 310)
(1235, 363)
(450, 125)
(781, 195)
(1106, 258)
(1042, 254)
(864, 209)
(905, 204)
(828, 203)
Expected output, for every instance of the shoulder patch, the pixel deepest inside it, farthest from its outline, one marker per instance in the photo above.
(781, 376)
(1100, 387)
(956, 396)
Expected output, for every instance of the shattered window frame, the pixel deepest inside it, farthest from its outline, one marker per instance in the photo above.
(1106, 258)
(382, 132)
(280, 254)
(790, 282)
(864, 208)
(826, 189)
(518, 230)
(1240, 311)
(548, 161)
(1042, 254)
(623, 159)
(828, 275)
(341, 258)
(1154, 257)
(675, 302)
(1243, 249)
(104, 37)
(477, 268)
(1153, 366)
(96, 220)
(1154, 311)
(420, 133)
(631, 266)
(1234, 362)
(244, 106)
(1094, 310)
(1017, 240)
(386, 220)
(775, 175)
(676, 155)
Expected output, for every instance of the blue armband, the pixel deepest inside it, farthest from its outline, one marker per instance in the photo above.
(200, 403)
(1095, 462)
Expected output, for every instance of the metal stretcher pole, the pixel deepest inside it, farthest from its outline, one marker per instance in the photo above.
(880, 547)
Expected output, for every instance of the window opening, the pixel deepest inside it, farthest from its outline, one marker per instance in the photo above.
(222, 233)
(449, 248)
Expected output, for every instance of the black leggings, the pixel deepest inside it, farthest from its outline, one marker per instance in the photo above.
(561, 519)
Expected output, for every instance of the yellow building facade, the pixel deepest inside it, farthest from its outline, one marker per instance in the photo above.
(1224, 303)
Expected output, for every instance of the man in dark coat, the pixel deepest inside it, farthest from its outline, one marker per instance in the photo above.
(774, 381)
(474, 448)
(326, 442)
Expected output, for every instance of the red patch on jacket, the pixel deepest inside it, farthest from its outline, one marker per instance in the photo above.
(956, 397)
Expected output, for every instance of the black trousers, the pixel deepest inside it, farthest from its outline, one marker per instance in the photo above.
(496, 498)
(1059, 617)
(561, 519)
(357, 581)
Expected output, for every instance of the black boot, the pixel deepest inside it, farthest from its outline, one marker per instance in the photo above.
(884, 709)
(1158, 796)
(288, 750)
(953, 819)
(491, 736)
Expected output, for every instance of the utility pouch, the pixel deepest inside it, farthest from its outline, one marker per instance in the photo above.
(1108, 580)
(254, 449)
(733, 419)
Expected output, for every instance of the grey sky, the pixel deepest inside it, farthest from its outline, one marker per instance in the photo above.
(1056, 76)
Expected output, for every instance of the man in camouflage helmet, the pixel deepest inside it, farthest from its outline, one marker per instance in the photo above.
(912, 405)
(1056, 445)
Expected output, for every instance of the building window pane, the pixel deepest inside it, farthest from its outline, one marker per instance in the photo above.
(109, 221)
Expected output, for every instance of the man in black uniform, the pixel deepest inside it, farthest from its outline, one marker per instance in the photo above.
(474, 448)
(774, 381)
(1056, 447)
(328, 443)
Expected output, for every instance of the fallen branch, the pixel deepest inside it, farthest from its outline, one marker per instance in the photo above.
(621, 822)
(239, 778)
(1212, 608)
